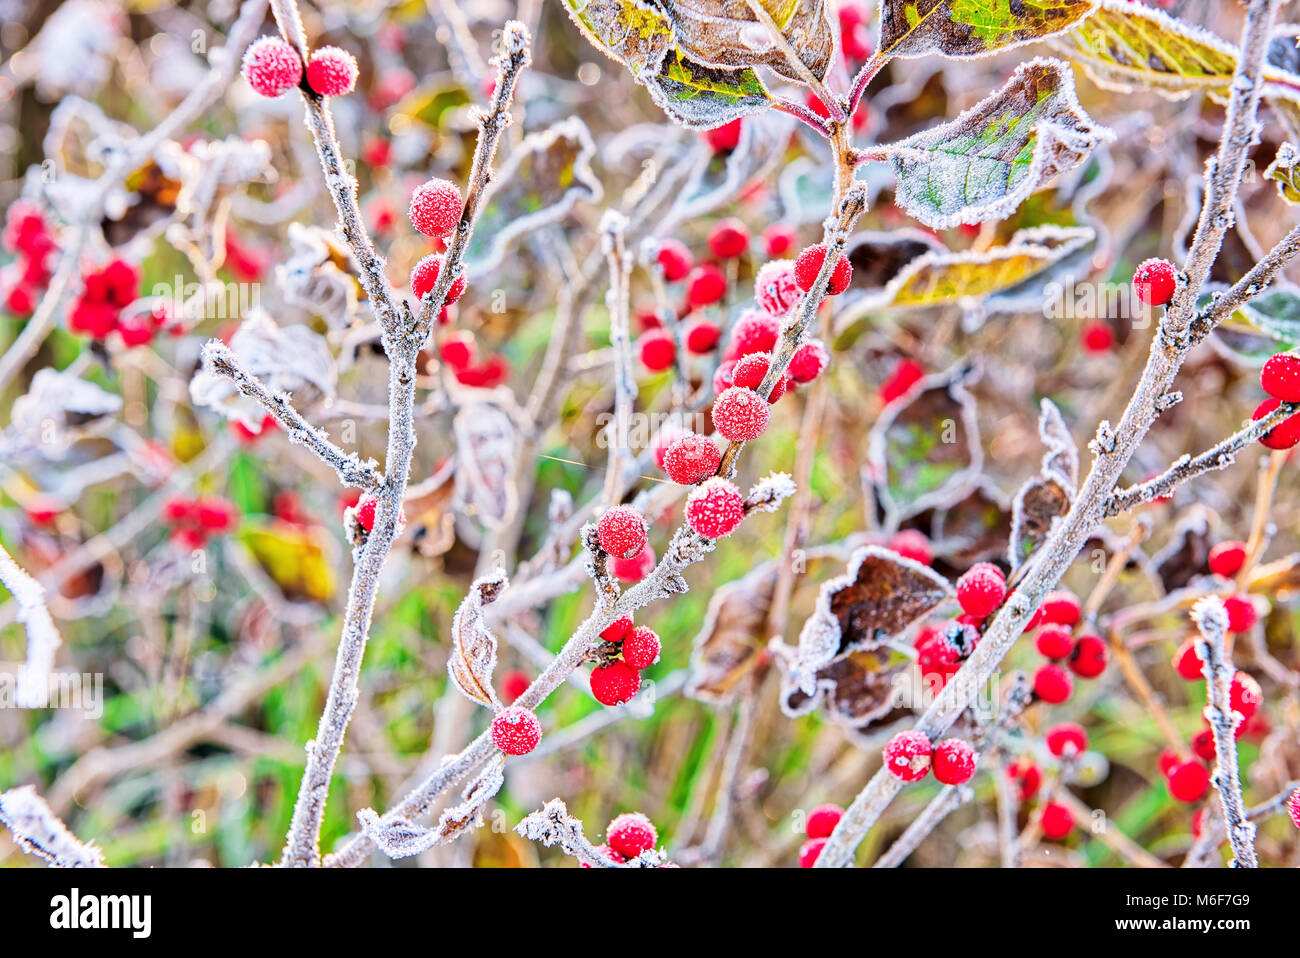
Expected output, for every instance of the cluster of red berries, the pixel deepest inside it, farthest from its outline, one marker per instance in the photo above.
(100, 308)
(272, 68)
(1280, 378)
(193, 521)
(459, 351)
(821, 822)
(910, 756)
(617, 680)
(626, 837)
(28, 237)
(1084, 654)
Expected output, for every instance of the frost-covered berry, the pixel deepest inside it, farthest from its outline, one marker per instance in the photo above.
(937, 655)
(954, 761)
(271, 66)
(809, 263)
(1245, 695)
(808, 361)
(981, 589)
(705, 285)
(615, 683)
(779, 239)
(365, 512)
(691, 458)
(715, 508)
(750, 371)
(332, 71)
(740, 414)
(1282, 436)
(516, 731)
(674, 259)
(907, 756)
(459, 350)
(424, 276)
(822, 820)
(621, 531)
(1154, 281)
(810, 851)
(1065, 739)
(641, 647)
(1203, 745)
(775, 289)
(1188, 781)
(1062, 607)
(754, 332)
(616, 630)
(634, 569)
(1280, 377)
(1242, 614)
(1187, 661)
(657, 350)
(1227, 558)
(631, 834)
(722, 377)
(1053, 684)
(436, 207)
(702, 335)
(912, 544)
(1056, 821)
(1090, 656)
(728, 239)
(1293, 807)
(1054, 642)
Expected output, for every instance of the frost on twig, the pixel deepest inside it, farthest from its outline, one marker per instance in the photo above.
(38, 831)
(553, 825)
(402, 839)
(1211, 619)
(474, 646)
(43, 638)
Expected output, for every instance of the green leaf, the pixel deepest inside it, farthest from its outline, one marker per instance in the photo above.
(703, 97)
(987, 161)
(1285, 169)
(972, 28)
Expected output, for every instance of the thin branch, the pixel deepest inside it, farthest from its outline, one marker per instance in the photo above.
(613, 226)
(829, 100)
(38, 831)
(43, 639)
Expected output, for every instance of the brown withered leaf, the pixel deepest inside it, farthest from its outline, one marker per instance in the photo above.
(880, 596)
(428, 508)
(878, 257)
(1062, 456)
(473, 656)
(1187, 553)
(854, 691)
(974, 528)
(972, 28)
(1049, 495)
(727, 34)
(468, 814)
(485, 462)
(732, 635)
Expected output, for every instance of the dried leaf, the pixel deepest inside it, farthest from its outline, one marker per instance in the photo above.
(854, 691)
(473, 656)
(880, 597)
(1049, 495)
(878, 258)
(983, 164)
(727, 34)
(925, 446)
(1062, 455)
(732, 635)
(485, 461)
(58, 410)
(1186, 556)
(973, 529)
(972, 28)
(468, 814)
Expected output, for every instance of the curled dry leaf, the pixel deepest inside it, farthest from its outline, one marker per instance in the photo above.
(58, 410)
(983, 164)
(1186, 556)
(854, 691)
(473, 656)
(468, 814)
(972, 28)
(880, 597)
(318, 276)
(972, 529)
(485, 461)
(1048, 496)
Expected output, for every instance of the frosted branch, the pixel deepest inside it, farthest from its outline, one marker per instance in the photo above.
(38, 831)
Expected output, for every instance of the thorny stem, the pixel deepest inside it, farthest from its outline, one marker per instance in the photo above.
(1168, 350)
(1211, 619)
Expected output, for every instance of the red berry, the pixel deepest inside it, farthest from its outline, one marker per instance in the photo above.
(775, 289)
(657, 350)
(724, 138)
(808, 361)
(1187, 661)
(1203, 745)
(271, 66)
(691, 458)
(641, 647)
(1285, 434)
(621, 532)
(1097, 337)
(1242, 615)
(1054, 642)
(42, 510)
(912, 544)
(1089, 658)
(1227, 558)
(1154, 281)
(779, 239)
(1280, 377)
(954, 761)
(513, 684)
(425, 276)
(740, 414)
(705, 286)
(436, 207)
(365, 512)
(664, 438)
(1066, 739)
(809, 852)
(1188, 781)
(715, 508)
(722, 377)
(907, 756)
(635, 568)
(809, 264)
(1057, 821)
(1293, 807)
(93, 318)
(1027, 776)
(822, 820)
(702, 336)
(674, 259)
(516, 731)
(937, 655)
(906, 374)
(615, 683)
(136, 331)
(750, 371)
(458, 350)
(1062, 607)
(728, 239)
(1245, 695)
(754, 332)
(1053, 684)
(215, 514)
(616, 630)
(332, 71)
(981, 589)
(631, 834)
